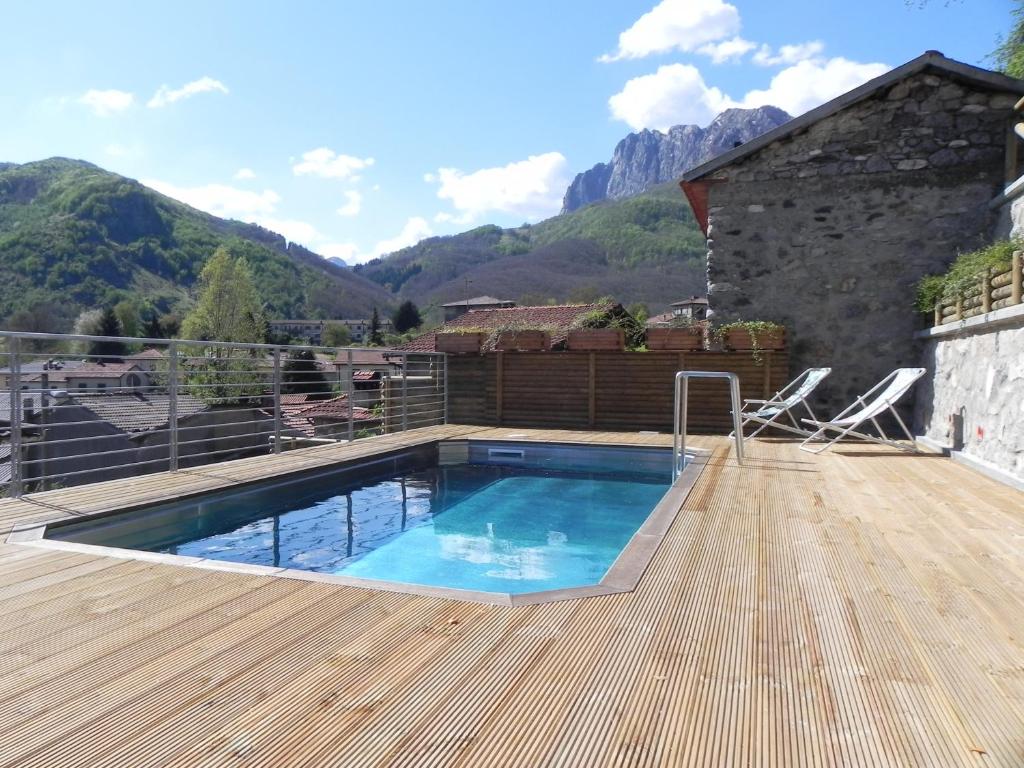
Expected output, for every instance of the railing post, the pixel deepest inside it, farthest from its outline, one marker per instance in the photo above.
(351, 399)
(172, 404)
(937, 319)
(959, 309)
(445, 365)
(1016, 278)
(16, 467)
(277, 400)
(986, 292)
(405, 391)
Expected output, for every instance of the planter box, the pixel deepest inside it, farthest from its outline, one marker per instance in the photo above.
(523, 341)
(739, 339)
(460, 343)
(597, 340)
(675, 338)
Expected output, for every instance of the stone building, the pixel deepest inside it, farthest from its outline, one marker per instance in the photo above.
(827, 223)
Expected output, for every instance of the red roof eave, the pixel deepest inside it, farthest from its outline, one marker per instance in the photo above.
(697, 195)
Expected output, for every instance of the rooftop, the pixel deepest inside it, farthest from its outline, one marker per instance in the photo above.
(477, 300)
(930, 60)
(861, 607)
(135, 412)
(558, 319)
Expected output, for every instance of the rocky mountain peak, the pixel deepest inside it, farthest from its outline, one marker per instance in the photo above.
(651, 157)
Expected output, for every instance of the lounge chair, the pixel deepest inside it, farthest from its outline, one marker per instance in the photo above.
(766, 412)
(873, 403)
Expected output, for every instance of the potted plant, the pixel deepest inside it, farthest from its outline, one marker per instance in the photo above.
(522, 340)
(460, 341)
(683, 335)
(751, 335)
(596, 331)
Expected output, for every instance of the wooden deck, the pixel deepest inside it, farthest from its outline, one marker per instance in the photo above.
(860, 608)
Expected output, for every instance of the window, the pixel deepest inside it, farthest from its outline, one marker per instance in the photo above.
(101, 385)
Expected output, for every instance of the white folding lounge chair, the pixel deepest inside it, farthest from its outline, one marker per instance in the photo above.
(876, 401)
(765, 412)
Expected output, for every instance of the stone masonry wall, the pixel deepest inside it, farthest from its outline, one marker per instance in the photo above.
(978, 376)
(828, 231)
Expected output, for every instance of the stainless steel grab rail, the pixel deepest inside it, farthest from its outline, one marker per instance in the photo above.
(679, 414)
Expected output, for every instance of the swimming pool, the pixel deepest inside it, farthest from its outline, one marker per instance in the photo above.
(482, 517)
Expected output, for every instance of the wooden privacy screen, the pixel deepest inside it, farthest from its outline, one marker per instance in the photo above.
(603, 390)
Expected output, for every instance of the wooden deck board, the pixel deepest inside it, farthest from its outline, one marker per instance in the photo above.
(855, 608)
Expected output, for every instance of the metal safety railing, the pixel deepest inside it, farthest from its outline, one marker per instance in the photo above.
(80, 409)
(679, 414)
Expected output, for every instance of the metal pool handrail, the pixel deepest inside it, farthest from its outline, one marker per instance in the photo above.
(679, 414)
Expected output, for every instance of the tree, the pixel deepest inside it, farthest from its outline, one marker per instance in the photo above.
(1009, 56)
(640, 312)
(128, 312)
(336, 335)
(228, 307)
(108, 325)
(407, 317)
(39, 318)
(376, 337)
(151, 328)
(301, 376)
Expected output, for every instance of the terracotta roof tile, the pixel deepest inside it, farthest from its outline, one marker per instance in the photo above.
(556, 319)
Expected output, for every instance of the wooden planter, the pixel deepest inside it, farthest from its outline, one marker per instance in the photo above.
(739, 339)
(523, 341)
(460, 343)
(675, 338)
(597, 340)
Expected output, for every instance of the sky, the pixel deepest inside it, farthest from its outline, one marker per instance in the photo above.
(359, 128)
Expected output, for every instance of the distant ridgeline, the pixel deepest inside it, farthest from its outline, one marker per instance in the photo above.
(74, 236)
(626, 231)
(644, 159)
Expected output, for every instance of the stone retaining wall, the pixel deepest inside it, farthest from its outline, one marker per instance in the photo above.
(972, 400)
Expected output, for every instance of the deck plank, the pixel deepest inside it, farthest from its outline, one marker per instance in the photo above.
(855, 608)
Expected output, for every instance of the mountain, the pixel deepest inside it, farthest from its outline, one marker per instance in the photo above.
(644, 159)
(645, 248)
(74, 236)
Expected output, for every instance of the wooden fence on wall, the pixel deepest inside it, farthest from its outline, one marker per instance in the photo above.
(994, 290)
(603, 390)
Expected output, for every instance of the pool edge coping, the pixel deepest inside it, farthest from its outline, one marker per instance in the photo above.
(622, 576)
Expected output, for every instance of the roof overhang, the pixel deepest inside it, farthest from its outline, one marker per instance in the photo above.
(931, 60)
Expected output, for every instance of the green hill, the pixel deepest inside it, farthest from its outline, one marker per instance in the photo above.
(73, 236)
(646, 248)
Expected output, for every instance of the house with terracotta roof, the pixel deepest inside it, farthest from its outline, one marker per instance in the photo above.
(557, 320)
(121, 376)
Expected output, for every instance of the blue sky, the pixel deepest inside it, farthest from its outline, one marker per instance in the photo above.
(357, 128)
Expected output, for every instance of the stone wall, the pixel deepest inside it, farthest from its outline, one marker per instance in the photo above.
(972, 400)
(829, 230)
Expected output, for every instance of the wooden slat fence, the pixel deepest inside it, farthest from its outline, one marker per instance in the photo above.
(993, 291)
(603, 390)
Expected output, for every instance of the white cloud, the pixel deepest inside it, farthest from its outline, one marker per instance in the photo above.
(327, 164)
(245, 173)
(105, 103)
(682, 25)
(530, 188)
(732, 49)
(294, 231)
(166, 95)
(221, 200)
(415, 229)
(810, 83)
(788, 54)
(244, 205)
(354, 204)
(675, 94)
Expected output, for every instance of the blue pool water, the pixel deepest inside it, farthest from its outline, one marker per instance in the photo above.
(483, 527)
